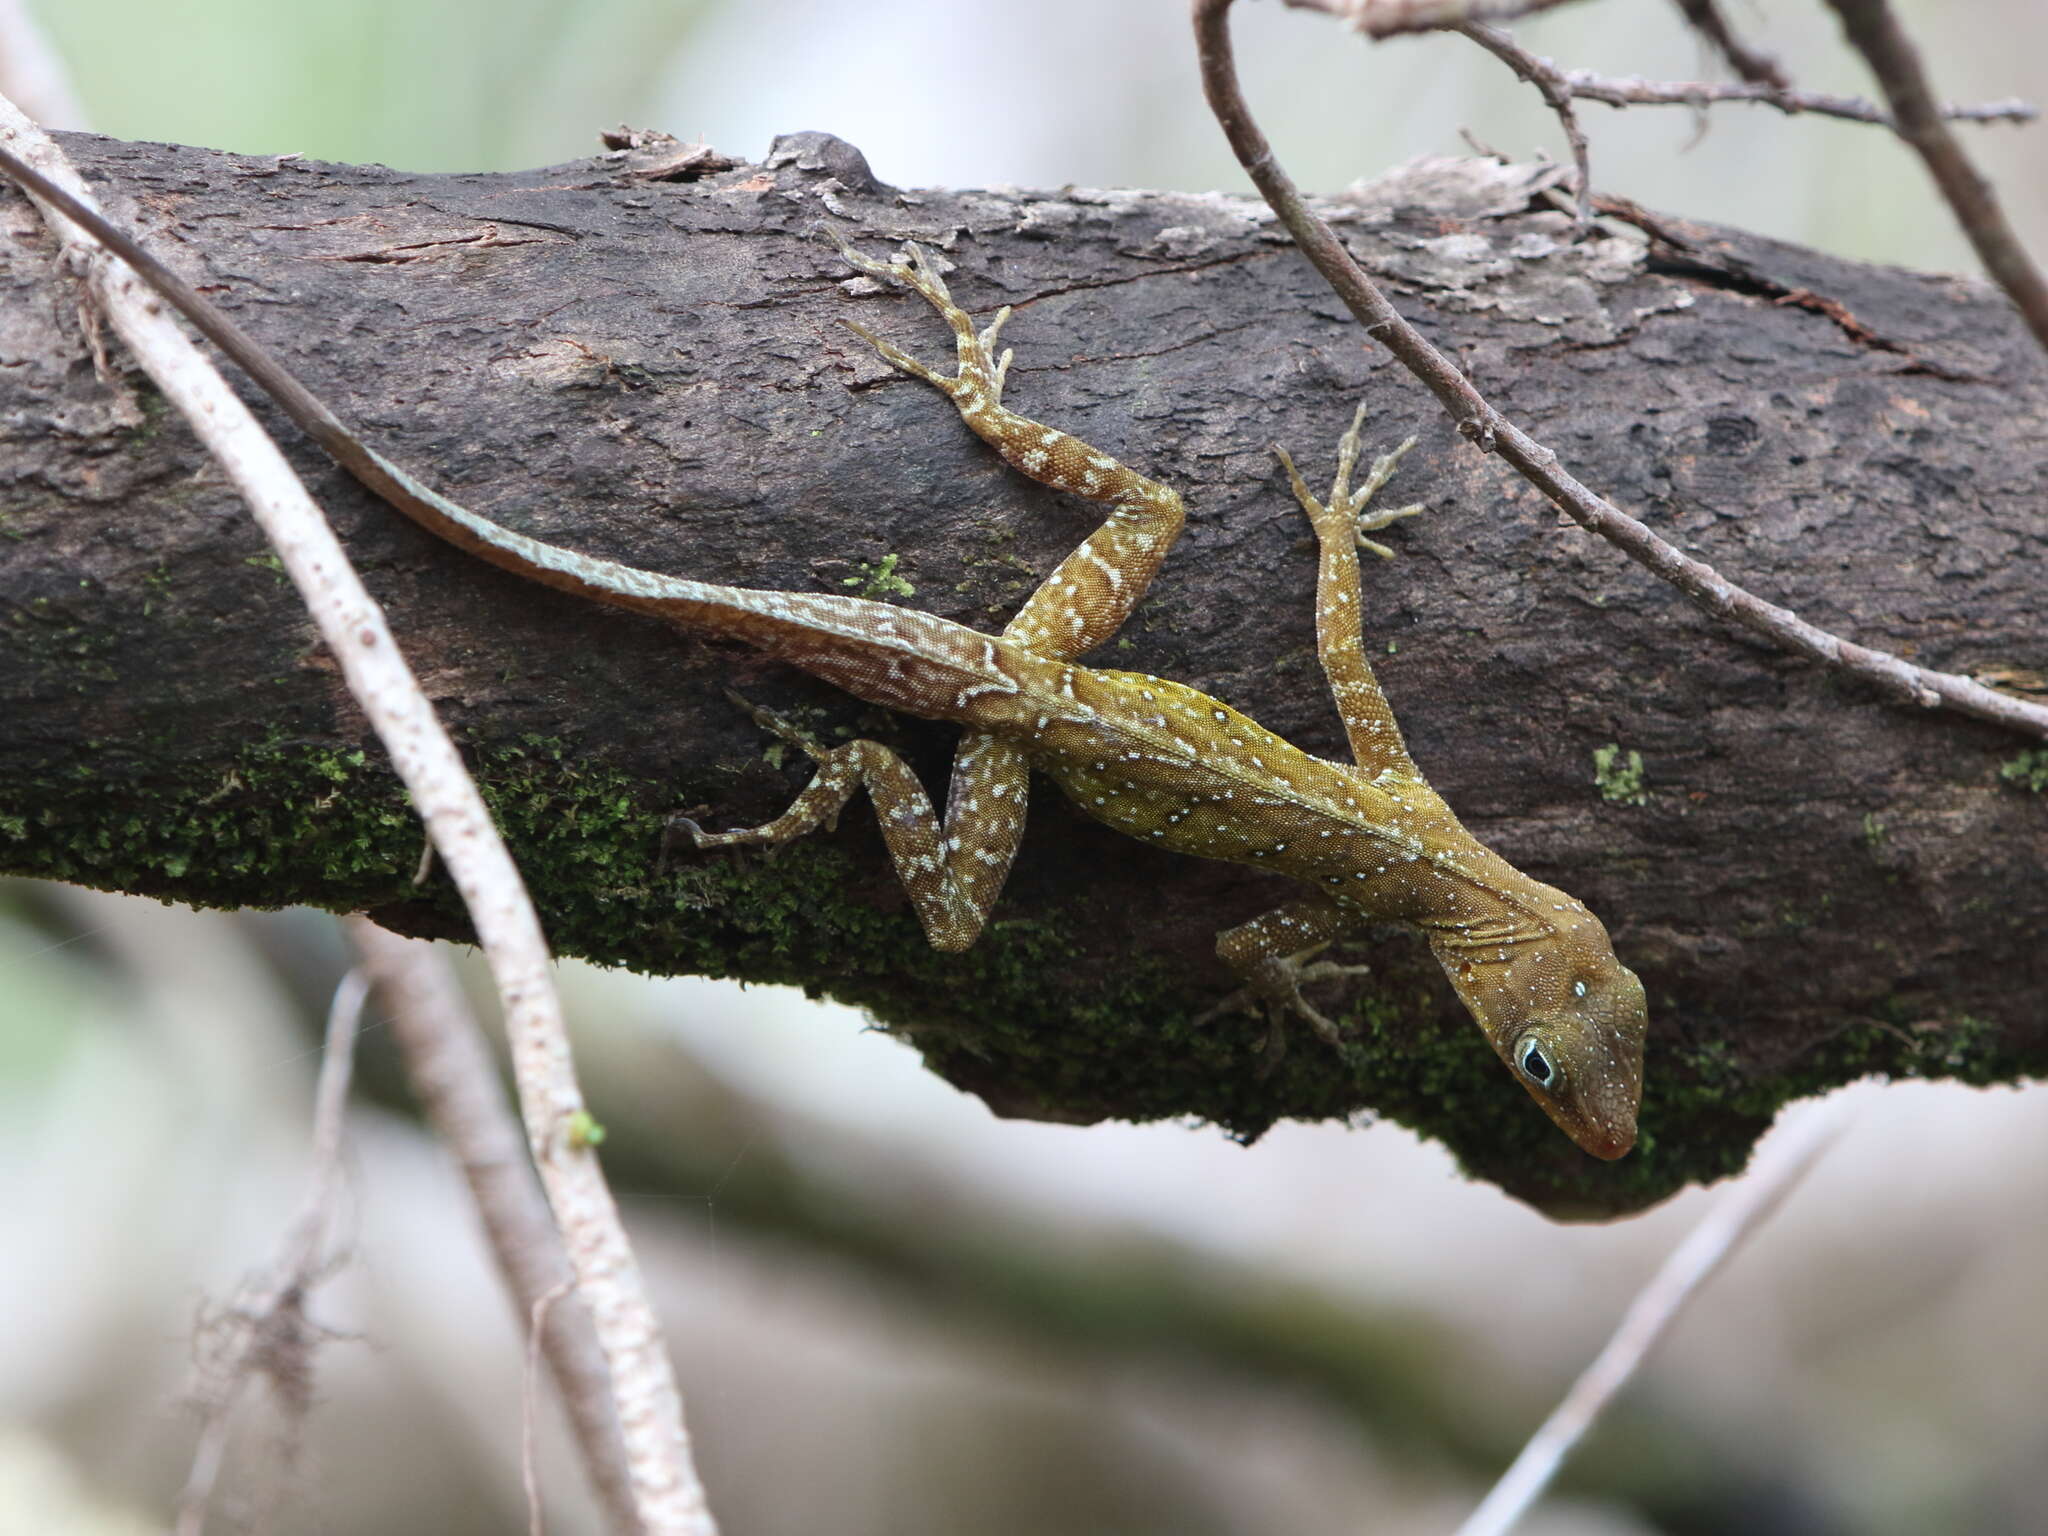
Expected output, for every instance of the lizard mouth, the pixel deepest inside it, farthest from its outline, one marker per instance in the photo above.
(1605, 1141)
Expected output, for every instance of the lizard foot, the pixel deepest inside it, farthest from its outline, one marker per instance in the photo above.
(979, 380)
(819, 805)
(1275, 992)
(1347, 504)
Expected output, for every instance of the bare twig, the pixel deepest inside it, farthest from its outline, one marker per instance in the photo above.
(666, 1487)
(455, 1079)
(1756, 67)
(1384, 18)
(1875, 33)
(1616, 92)
(1494, 433)
(265, 1331)
(1560, 87)
(1556, 91)
(1779, 1167)
(1569, 85)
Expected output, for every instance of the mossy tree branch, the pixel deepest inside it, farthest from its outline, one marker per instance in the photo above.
(1818, 883)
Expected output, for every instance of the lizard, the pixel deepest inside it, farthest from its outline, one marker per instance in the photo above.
(1155, 759)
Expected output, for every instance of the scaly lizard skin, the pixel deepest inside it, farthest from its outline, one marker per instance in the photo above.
(1154, 759)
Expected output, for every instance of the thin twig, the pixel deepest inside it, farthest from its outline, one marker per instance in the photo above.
(666, 1487)
(1876, 34)
(1494, 433)
(265, 1331)
(1779, 1167)
(1384, 18)
(1556, 91)
(1618, 92)
(1757, 67)
(453, 1075)
(1615, 91)
(1560, 87)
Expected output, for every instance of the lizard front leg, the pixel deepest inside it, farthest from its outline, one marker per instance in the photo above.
(1089, 595)
(1369, 722)
(953, 872)
(1274, 954)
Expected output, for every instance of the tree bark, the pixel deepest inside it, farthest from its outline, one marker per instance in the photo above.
(1816, 883)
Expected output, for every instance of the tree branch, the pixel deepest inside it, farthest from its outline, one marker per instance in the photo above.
(652, 371)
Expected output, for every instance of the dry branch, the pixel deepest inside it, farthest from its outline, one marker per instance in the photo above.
(378, 679)
(452, 1074)
(654, 372)
(266, 1333)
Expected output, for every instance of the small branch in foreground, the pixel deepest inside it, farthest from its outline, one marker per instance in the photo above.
(1876, 34)
(455, 1078)
(1384, 18)
(667, 1490)
(1779, 1167)
(1491, 432)
(265, 1331)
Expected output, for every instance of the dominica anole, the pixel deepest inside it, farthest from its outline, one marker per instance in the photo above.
(1152, 758)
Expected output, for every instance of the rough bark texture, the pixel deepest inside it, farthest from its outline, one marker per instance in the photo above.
(1814, 885)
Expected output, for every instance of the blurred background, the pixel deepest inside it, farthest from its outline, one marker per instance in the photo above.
(891, 1312)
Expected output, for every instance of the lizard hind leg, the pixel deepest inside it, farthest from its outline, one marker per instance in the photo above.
(1089, 595)
(952, 872)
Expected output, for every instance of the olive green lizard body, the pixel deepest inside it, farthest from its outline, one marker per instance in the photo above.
(1154, 759)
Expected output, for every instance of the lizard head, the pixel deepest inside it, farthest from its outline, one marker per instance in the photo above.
(1568, 1018)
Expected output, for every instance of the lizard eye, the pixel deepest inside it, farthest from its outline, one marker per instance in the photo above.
(1533, 1063)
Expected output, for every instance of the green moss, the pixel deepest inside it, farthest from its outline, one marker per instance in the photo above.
(1619, 778)
(879, 580)
(2029, 770)
(153, 408)
(1036, 1014)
